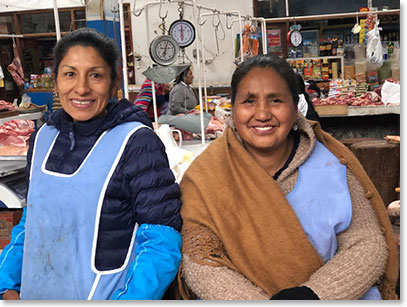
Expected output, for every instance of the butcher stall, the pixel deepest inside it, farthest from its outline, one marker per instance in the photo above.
(14, 135)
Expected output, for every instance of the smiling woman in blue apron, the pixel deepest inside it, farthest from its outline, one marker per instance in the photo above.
(102, 215)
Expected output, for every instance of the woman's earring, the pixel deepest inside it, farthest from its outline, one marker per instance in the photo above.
(295, 127)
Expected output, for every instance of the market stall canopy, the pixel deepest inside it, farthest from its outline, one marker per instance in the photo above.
(165, 74)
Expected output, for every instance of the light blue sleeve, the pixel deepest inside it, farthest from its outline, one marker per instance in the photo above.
(158, 255)
(11, 259)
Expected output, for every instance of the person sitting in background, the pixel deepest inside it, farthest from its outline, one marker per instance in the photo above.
(102, 219)
(181, 112)
(305, 105)
(278, 209)
(144, 98)
(182, 96)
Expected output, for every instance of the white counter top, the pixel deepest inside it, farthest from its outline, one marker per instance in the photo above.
(30, 116)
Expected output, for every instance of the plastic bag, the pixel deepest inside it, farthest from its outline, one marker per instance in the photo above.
(25, 101)
(390, 93)
(374, 48)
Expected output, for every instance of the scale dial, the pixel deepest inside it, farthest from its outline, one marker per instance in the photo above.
(295, 38)
(183, 32)
(164, 50)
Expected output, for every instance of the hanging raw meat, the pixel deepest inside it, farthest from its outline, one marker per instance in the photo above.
(16, 69)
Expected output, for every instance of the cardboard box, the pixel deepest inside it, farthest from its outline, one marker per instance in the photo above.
(8, 219)
(332, 109)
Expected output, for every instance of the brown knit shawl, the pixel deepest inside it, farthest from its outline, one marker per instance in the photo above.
(226, 191)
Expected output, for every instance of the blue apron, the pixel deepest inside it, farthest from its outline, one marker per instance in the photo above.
(63, 213)
(322, 203)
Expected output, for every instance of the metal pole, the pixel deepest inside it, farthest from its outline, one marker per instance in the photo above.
(154, 105)
(124, 53)
(329, 16)
(199, 75)
(56, 17)
(204, 71)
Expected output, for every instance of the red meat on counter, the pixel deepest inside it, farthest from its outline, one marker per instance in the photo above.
(6, 106)
(16, 132)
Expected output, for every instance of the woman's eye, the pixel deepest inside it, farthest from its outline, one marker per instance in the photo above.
(96, 75)
(249, 101)
(275, 100)
(69, 74)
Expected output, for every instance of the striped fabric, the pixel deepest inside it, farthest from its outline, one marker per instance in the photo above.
(144, 98)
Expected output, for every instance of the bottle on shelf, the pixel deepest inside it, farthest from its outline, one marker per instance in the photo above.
(340, 50)
(328, 47)
(334, 46)
(322, 48)
(325, 69)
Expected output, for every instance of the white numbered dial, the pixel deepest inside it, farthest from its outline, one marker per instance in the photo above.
(164, 50)
(296, 38)
(183, 32)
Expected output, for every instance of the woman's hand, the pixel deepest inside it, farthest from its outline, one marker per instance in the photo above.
(11, 295)
(194, 111)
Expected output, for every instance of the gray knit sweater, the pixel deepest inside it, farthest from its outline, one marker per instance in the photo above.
(357, 265)
(182, 99)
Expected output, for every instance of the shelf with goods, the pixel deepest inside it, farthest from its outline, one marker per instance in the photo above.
(319, 69)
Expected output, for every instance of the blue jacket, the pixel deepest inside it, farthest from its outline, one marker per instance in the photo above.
(142, 186)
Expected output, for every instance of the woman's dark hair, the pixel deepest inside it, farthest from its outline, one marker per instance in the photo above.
(301, 84)
(87, 37)
(182, 75)
(279, 65)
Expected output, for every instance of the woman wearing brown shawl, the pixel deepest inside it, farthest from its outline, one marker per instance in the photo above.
(276, 208)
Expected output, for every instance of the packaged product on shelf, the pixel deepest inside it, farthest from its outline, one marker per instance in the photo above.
(308, 73)
(307, 69)
(335, 87)
(348, 86)
(349, 71)
(385, 71)
(322, 48)
(360, 78)
(372, 79)
(395, 64)
(359, 52)
(395, 72)
(334, 46)
(1, 77)
(300, 67)
(325, 69)
(316, 69)
(334, 70)
(361, 66)
(328, 47)
(340, 50)
(362, 33)
(361, 88)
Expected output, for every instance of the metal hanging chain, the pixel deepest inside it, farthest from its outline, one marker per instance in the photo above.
(162, 25)
(216, 26)
(181, 10)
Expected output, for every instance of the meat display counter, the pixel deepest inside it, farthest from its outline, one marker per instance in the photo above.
(13, 186)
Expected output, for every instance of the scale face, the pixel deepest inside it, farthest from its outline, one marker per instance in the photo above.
(183, 32)
(164, 50)
(295, 38)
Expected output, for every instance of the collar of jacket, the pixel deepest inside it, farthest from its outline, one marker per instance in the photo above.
(117, 112)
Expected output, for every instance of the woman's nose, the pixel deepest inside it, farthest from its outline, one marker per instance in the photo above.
(263, 112)
(81, 85)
